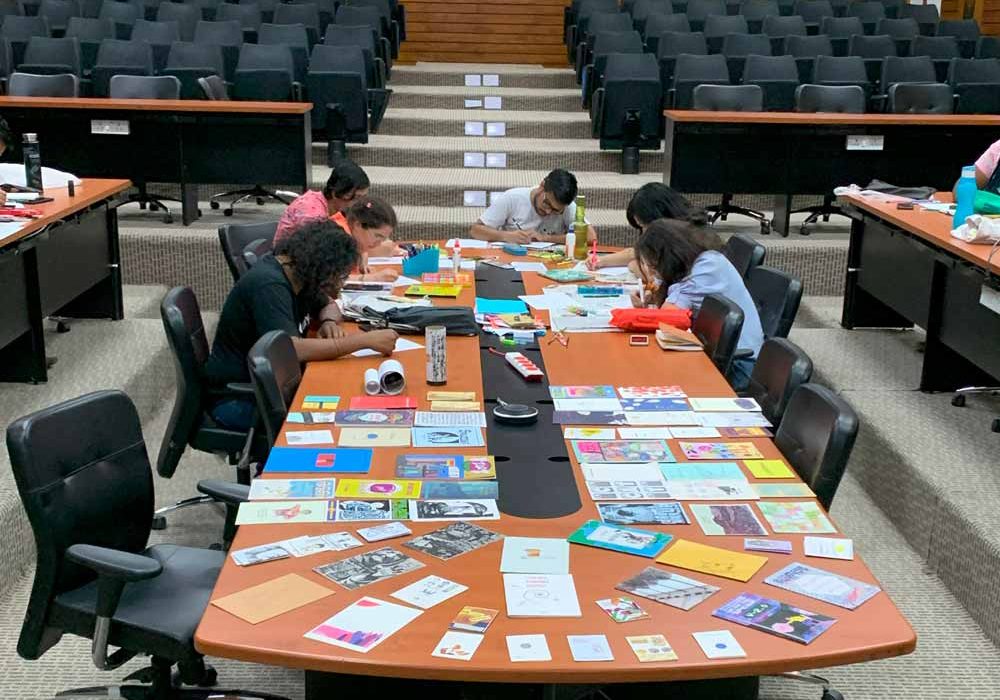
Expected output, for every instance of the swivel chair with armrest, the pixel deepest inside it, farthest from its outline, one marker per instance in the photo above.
(275, 373)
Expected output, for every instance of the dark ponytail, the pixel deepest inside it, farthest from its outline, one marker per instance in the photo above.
(654, 200)
(669, 248)
(371, 212)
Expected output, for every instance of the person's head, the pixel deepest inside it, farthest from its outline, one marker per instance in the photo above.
(557, 191)
(6, 136)
(372, 221)
(320, 257)
(346, 183)
(667, 249)
(654, 200)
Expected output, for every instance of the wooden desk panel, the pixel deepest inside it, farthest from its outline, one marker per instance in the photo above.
(202, 106)
(807, 119)
(876, 631)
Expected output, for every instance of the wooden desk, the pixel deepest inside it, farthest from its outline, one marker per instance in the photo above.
(905, 269)
(185, 142)
(789, 153)
(876, 631)
(66, 263)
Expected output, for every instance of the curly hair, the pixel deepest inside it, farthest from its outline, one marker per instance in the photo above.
(322, 256)
(654, 200)
(669, 248)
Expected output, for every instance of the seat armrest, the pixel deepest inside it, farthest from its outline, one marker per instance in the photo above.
(225, 491)
(240, 389)
(744, 354)
(113, 563)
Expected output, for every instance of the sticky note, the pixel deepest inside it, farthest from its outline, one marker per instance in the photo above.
(493, 102)
(474, 159)
(496, 160)
(769, 469)
(494, 129)
(491, 80)
(473, 104)
(473, 80)
(473, 128)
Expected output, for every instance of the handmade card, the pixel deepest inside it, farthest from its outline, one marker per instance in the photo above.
(364, 624)
(694, 432)
(662, 418)
(460, 489)
(367, 488)
(659, 433)
(377, 533)
(448, 436)
(621, 451)
(350, 510)
(712, 490)
(783, 491)
(580, 405)
(309, 437)
(668, 588)
(651, 392)
(769, 469)
(774, 617)
(720, 450)
(453, 539)
(823, 585)
(535, 555)
(480, 467)
(651, 647)
(642, 513)
(401, 418)
(759, 545)
(622, 609)
(589, 418)
(368, 567)
(292, 489)
(381, 402)
(311, 417)
(651, 404)
(458, 509)
(375, 437)
(472, 619)
(733, 420)
(528, 647)
(627, 540)
(587, 391)
(429, 591)
(428, 419)
(828, 547)
(589, 433)
(804, 516)
(725, 405)
(589, 647)
(259, 554)
(457, 645)
(719, 644)
(752, 432)
(280, 512)
(720, 519)
(316, 402)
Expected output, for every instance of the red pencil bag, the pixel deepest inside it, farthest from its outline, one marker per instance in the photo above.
(648, 320)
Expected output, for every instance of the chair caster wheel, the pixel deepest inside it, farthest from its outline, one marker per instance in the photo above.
(765, 228)
(211, 677)
(168, 219)
(199, 213)
(958, 400)
(260, 201)
(213, 205)
(804, 231)
(227, 212)
(159, 522)
(831, 694)
(61, 327)
(995, 425)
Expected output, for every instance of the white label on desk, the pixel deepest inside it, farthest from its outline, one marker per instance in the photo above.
(496, 129)
(491, 80)
(990, 298)
(114, 127)
(496, 160)
(865, 143)
(475, 160)
(492, 102)
(474, 198)
(473, 104)
(473, 128)
(473, 80)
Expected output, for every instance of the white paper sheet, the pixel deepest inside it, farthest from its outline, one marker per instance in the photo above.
(473, 80)
(385, 261)
(401, 345)
(529, 266)
(473, 104)
(493, 102)
(474, 198)
(468, 243)
(491, 80)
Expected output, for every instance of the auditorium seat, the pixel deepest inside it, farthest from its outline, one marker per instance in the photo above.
(49, 56)
(343, 35)
(736, 48)
(698, 11)
(627, 107)
(354, 16)
(90, 32)
(186, 16)
(305, 14)
(966, 31)
(920, 98)
(691, 71)
(189, 62)
(249, 15)
(840, 30)
(124, 15)
(145, 87)
(672, 45)
(870, 12)
(812, 13)
(658, 25)
(976, 85)
(805, 49)
(159, 35)
(16, 31)
(58, 13)
(228, 35)
(777, 77)
(295, 37)
(778, 29)
(872, 49)
(337, 88)
(903, 31)
(940, 49)
(28, 85)
(927, 16)
(842, 70)
(600, 24)
(756, 10)
(606, 44)
(119, 57)
(718, 27)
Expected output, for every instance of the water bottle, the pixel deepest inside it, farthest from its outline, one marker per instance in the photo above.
(571, 245)
(965, 195)
(32, 162)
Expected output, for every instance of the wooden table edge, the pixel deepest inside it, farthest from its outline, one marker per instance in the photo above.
(827, 119)
(196, 106)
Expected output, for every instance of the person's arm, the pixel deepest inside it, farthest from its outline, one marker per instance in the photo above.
(482, 232)
(489, 226)
(318, 349)
(619, 259)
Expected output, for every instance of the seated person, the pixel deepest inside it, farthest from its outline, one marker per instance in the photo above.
(370, 221)
(347, 182)
(287, 291)
(986, 164)
(683, 263)
(652, 201)
(525, 214)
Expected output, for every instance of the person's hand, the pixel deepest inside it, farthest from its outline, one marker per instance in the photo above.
(383, 341)
(386, 274)
(3, 197)
(329, 329)
(387, 249)
(636, 301)
(594, 262)
(363, 264)
(591, 234)
(518, 237)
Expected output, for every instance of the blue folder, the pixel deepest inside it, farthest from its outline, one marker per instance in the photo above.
(323, 460)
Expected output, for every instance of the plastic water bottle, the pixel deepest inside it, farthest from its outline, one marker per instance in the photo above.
(456, 257)
(965, 195)
(571, 245)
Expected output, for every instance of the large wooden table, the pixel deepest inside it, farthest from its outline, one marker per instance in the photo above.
(66, 263)
(789, 153)
(185, 142)
(877, 630)
(904, 269)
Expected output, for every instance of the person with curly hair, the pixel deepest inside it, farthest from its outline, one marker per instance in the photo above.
(288, 291)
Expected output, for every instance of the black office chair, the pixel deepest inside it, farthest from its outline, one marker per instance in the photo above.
(873, 50)
(976, 85)
(840, 30)
(295, 37)
(966, 31)
(658, 26)
(28, 85)
(275, 373)
(927, 16)
(921, 98)
(671, 45)
(48, 56)
(812, 13)
(186, 16)
(744, 252)
(776, 295)
(718, 27)
(940, 49)
(698, 12)
(737, 47)
(805, 49)
(250, 17)
(305, 14)
(343, 35)
(58, 13)
(718, 325)
(213, 87)
(123, 14)
(189, 62)
(84, 478)
(779, 29)
(159, 35)
(816, 436)
(228, 36)
(627, 107)
(781, 368)
(235, 239)
(90, 32)
(144, 87)
(903, 31)
(690, 71)
(17, 31)
(755, 11)
(988, 47)
(870, 12)
(119, 57)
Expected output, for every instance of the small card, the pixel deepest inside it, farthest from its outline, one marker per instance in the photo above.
(769, 469)
(589, 433)
(473, 104)
(339, 541)
(309, 437)
(694, 433)
(665, 513)
(496, 129)
(725, 405)
(292, 489)
(651, 392)
(492, 102)
(305, 545)
(312, 417)
(429, 591)
(748, 432)
(430, 419)
(451, 396)
(370, 488)
(474, 128)
(272, 598)
(472, 619)
(374, 437)
(719, 644)
(480, 467)
(447, 436)
(720, 450)
(783, 490)
(455, 406)
(528, 647)
(759, 545)
(457, 645)
(829, 547)
(663, 433)
(727, 519)
(651, 647)
(491, 80)
(316, 402)
(496, 160)
(589, 647)
(474, 159)
(381, 403)
(259, 554)
(363, 624)
(378, 533)
(622, 609)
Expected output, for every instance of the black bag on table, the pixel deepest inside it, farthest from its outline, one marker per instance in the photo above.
(458, 320)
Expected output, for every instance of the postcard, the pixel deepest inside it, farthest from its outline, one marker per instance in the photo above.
(534, 555)
(457, 645)
(668, 588)
(828, 547)
(823, 585)
(662, 418)
(727, 519)
(651, 392)
(292, 489)
(725, 405)
(783, 490)
(621, 451)
(457, 509)
(311, 417)
(657, 433)
(351, 510)
(375, 437)
(309, 437)
(400, 418)
(421, 466)
(377, 533)
(429, 591)
(443, 436)
(368, 567)
(472, 419)
(719, 644)
(589, 647)
(651, 647)
(321, 460)
(582, 392)
(364, 624)
(528, 647)
(622, 609)
(720, 450)
(473, 619)
(804, 516)
(367, 488)
(453, 539)
(774, 617)
(642, 513)
(654, 404)
(769, 469)
(279, 512)
(643, 543)
(320, 403)
(480, 467)
(590, 433)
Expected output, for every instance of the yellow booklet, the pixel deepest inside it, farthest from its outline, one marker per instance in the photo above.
(367, 488)
(433, 290)
(769, 469)
(460, 406)
(451, 396)
(374, 437)
(711, 560)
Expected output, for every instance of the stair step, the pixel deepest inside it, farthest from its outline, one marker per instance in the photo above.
(451, 122)
(453, 74)
(514, 98)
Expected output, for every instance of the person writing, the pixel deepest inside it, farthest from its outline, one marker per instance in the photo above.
(652, 201)
(682, 263)
(346, 183)
(986, 164)
(524, 214)
(287, 291)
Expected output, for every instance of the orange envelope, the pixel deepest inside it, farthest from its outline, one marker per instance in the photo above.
(272, 598)
(712, 560)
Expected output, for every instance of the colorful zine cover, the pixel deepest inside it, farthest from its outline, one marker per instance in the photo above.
(472, 619)
(449, 436)
(668, 588)
(774, 617)
(622, 609)
(725, 405)
(367, 488)
(460, 489)
(727, 519)
(750, 432)
(452, 540)
(433, 290)
(582, 392)
(281, 512)
(651, 392)
(651, 648)
(621, 451)
(643, 405)
(642, 513)
(381, 402)
(402, 418)
(292, 489)
(480, 467)
(364, 624)
(627, 540)
(589, 418)
(721, 450)
(315, 402)
(804, 516)
(414, 466)
(349, 510)
(312, 417)
(458, 509)
(783, 491)
(311, 460)
(368, 568)
(374, 437)
(769, 469)
(534, 555)
(823, 585)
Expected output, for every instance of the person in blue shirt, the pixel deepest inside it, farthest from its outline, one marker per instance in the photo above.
(683, 263)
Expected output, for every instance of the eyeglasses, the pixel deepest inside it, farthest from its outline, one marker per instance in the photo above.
(550, 205)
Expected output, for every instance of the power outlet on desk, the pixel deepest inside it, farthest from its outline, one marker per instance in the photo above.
(990, 298)
(109, 127)
(864, 142)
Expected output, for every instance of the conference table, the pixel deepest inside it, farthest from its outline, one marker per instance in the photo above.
(184, 142)
(790, 153)
(543, 494)
(904, 268)
(65, 263)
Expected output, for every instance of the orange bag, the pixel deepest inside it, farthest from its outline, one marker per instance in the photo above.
(649, 320)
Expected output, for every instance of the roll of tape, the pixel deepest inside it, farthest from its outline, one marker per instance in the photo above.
(372, 384)
(391, 377)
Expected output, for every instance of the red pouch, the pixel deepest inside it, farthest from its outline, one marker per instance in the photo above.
(649, 320)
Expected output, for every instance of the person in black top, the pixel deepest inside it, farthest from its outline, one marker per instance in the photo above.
(286, 291)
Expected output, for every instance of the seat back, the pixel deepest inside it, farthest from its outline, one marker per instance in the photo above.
(784, 26)
(868, 11)
(59, 12)
(307, 14)
(632, 101)
(644, 9)
(728, 98)
(156, 32)
(935, 46)
(123, 14)
(907, 69)
(120, 57)
(190, 62)
(962, 29)
(83, 475)
(186, 16)
(698, 11)
(249, 15)
(988, 47)
(813, 11)
(840, 70)
(816, 436)
(757, 10)
(808, 46)
(844, 99)
(213, 87)
(717, 325)
(777, 76)
(295, 37)
(921, 98)
(344, 35)
(781, 368)
(878, 46)
(691, 70)
(744, 252)
(234, 238)
(47, 56)
(776, 295)
(227, 35)
(255, 250)
(841, 27)
(276, 374)
(145, 87)
(745, 45)
(264, 73)
(718, 26)
(90, 32)
(902, 28)
(658, 25)
(28, 85)
(337, 76)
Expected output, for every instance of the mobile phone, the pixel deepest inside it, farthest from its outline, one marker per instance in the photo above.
(638, 340)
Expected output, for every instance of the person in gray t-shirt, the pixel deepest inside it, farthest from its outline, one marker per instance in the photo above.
(526, 214)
